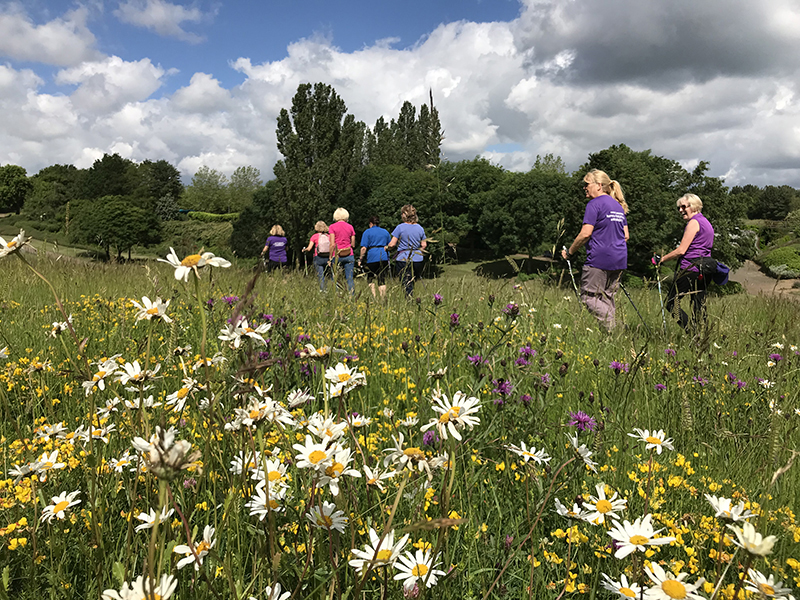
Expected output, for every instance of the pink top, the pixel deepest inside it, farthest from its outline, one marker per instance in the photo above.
(314, 240)
(342, 232)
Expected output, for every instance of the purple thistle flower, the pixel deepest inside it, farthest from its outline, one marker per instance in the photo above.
(454, 321)
(230, 300)
(775, 357)
(511, 310)
(617, 367)
(430, 438)
(210, 303)
(670, 352)
(525, 399)
(701, 380)
(303, 337)
(741, 384)
(660, 387)
(437, 299)
(502, 387)
(509, 541)
(527, 351)
(582, 421)
(476, 360)
(521, 362)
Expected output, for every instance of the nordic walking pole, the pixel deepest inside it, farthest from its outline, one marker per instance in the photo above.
(650, 333)
(572, 277)
(656, 260)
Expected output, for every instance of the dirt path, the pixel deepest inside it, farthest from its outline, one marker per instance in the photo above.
(755, 282)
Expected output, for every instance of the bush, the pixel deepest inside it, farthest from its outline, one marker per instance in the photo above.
(188, 237)
(205, 217)
(783, 262)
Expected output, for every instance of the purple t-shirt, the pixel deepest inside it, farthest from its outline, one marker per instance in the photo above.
(409, 241)
(277, 248)
(701, 244)
(606, 249)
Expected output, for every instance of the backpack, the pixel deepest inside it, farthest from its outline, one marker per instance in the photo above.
(323, 245)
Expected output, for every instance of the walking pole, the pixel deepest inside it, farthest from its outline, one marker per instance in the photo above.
(572, 277)
(656, 260)
(650, 333)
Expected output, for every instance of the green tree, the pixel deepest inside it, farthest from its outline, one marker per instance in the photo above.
(245, 181)
(208, 192)
(776, 202)
(521, 213)
(114, 222)
(14, 188)
(322, 151)
(158, 179)
(252, 227)
(111, 175)
(380, 145)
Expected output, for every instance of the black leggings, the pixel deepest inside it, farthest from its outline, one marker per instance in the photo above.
(408, 273)
(693, 285)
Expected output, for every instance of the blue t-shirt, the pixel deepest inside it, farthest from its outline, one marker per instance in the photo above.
(409, 239)
(606, 249)
(374, 239)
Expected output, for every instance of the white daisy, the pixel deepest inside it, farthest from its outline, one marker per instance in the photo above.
(454, 415)
(656, 440)
(13, 245)
(200, 550)
(669, 587)
(600, 507)
(379, 552)
(724, 509)
(149, 519)
(766, 587)
(622, 588)
(376, 477)
(750, 540)
(142, 589)
(576, 512)
(327, 517)
(59, 506)
(631, 537)
(583, 452)
(312, 455)
(152, 310)
(417, 567)
(527, 454)
(192, 263)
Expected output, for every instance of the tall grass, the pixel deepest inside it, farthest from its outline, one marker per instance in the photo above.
(530, 355)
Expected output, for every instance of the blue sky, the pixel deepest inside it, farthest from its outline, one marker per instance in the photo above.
(201, 83)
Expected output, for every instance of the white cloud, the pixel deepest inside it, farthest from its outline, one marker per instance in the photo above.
(62, 42)
(164, 18)
(535, 85)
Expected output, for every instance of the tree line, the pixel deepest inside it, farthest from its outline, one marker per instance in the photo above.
(330, 159)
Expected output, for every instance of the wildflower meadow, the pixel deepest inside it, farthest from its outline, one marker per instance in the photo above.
(189, 429)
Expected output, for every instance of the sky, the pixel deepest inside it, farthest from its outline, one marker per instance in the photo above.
(202, 82)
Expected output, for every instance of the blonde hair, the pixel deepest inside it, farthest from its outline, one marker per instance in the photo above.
(692, 200)
(321, 227)
(408, 213)
(610, 186)
(277, 230)
(341, 214)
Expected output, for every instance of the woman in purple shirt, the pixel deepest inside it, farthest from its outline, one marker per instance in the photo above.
(605, 233)
(697, 241)
(275, 248)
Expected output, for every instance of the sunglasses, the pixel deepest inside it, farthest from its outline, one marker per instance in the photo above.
(683, 207)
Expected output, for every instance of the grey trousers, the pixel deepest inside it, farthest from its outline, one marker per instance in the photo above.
(597, 293)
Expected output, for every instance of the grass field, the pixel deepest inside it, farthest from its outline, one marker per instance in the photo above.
(493, 424)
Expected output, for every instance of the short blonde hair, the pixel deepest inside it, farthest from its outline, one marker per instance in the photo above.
(277, 230)
(408, 213)
(692, 200)
(610, 186)
(321, 227)
(341, 214)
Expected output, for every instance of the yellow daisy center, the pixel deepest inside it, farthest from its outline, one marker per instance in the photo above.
(316, 456)
(324, 521)
(372, 481)
(99, 375)
(249, 330)
(191, 260)
(603, 506)
(639, 540)
(152, 311)
(274, 475)
(445, 418)
(419, 570)
(767, 590)
(674, 589)
(334, 470)
(383, 555)
(254, 413)
(344, 377)
(203, 547)
(182, 393)
(652, 440)
(414, 453)
(456, 410)
(627, 592)
(273, 504)
(12, 243)
(60, 506)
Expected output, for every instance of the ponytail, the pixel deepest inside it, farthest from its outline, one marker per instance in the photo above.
(616, 192)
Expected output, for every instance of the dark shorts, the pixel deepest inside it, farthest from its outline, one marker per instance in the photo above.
(377, 270)
(273, 264)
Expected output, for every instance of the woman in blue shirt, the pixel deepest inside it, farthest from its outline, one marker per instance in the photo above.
(373, 244)
(409, 239)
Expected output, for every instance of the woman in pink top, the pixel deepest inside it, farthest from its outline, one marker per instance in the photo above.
(320, 242)
(343, 238)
